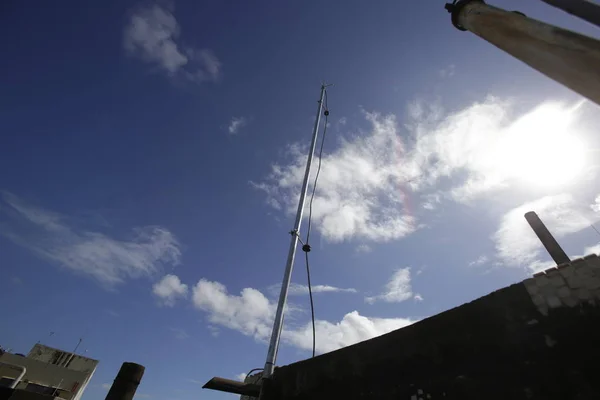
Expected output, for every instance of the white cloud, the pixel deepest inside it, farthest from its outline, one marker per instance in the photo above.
(236, 124)
(517, 244)
(363, 248)
(353, 328)
(251, 313)
(370, 183)
(241, 376)
(418, 297)
(483, 259)
(297, 289)
(358, 192)
(214, 331)
(398, 288)
(592, 249)
(169, 289)
(152, 34)
(107, 259)
(596, 206)
(448, 72)
(106, 386)
(179, 333)
(431, 201)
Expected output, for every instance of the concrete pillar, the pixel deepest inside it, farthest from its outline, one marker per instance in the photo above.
(556, 252)
(567, 57)
(583, 9)
(126, 382)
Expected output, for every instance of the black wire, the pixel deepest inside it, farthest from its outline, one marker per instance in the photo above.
(310, 208)
(312, 196)
(594, 228)
(252, 370)
(312, 307)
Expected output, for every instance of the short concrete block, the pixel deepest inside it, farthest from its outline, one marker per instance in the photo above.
(576, 282)
(594, 265)
(592, 283)
(531, 286)
(542, 280)
(557, 281)
(553, 301)
(563, 292)
(538, 300)
(584, 294)
(570, 302)
(551, 271)
(579, 263)
(566, 272)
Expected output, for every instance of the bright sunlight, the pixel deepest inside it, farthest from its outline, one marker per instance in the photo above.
(541, 148)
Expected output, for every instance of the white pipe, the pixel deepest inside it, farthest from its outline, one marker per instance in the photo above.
(16, 381)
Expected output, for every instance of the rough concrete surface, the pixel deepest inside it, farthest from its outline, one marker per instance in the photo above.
(534, 340)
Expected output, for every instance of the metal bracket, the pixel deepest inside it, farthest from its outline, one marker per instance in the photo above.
(455, 8)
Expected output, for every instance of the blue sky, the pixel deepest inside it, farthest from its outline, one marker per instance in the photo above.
(152, 154)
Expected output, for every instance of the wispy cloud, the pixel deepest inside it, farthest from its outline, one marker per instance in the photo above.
(592, 249)
(358, 193)
(196, 381)
(112, 313)
(241, 376)
(251, 313)
(448, 72)
(398, 289)
(179, 333)
(363, 248)
(481, 260)
(297, 289)
(152, 34)
(351, 329)
(107, 259)
(596, 205)
(236, 124)
(517, 244)
(370, 184)
(169, 289)
(106, 386)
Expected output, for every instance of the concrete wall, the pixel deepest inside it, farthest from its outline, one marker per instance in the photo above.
(72, 382)
(62, 358)
(538, 340)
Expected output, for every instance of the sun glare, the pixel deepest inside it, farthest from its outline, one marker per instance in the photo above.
(541, 148)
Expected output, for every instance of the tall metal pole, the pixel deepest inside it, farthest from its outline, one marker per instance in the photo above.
(583, 9)
(567, 57)
(278, 323)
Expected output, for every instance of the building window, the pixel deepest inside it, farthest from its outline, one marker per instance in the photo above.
(33, 387)
(6, 382)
